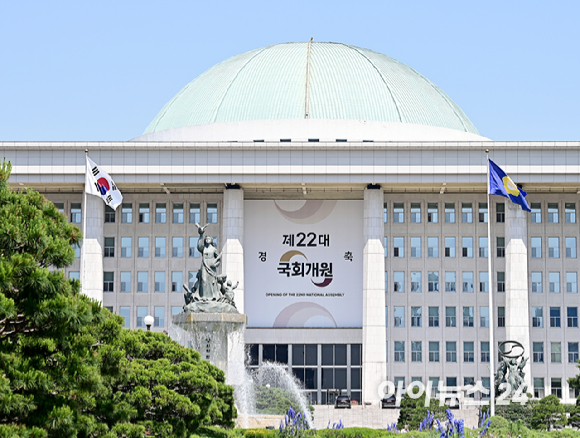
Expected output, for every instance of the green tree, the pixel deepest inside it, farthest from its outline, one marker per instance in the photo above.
(548, 413)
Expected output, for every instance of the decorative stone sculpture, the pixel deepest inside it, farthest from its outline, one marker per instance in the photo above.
(511, 369)
(211, 293)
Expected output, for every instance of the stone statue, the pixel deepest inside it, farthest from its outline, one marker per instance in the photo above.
(211, 293)
(511, 368)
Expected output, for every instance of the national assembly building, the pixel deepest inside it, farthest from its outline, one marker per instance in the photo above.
(348, 196)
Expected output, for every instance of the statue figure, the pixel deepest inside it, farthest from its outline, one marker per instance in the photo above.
(511, 368)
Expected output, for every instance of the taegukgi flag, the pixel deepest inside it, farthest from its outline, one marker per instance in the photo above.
(99, 183)
(501, 184)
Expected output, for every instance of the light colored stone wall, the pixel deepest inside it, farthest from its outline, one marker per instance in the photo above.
(233, 241)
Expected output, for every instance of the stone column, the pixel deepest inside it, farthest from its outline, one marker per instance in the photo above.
(93, 212)
(517, 306)
(374, 370)
(233, 237)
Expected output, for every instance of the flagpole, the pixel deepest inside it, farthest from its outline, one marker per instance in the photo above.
(84, 213)
(490, 279)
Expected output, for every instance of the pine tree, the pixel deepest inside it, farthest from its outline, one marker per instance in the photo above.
(548, 413)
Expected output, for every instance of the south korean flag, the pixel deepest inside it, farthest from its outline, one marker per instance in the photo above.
(99, 183)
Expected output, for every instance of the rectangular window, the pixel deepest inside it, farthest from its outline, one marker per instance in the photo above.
(450, 317)
(160, 282)
(553, 213)
(160, 247)
(556, 384)
(555, 352)
(398, 247)
(177, 247)
(399, 351)
(176, 281)
(59, 206)
(538, 387)
(416, 351)
(415, 212)
(433, 247)
(466, 212)
(484, 316)
(483, 247)
(537, 282)
(536, 213)
(398, 212)
(468, 316)
(126, 247)
(501, 316)
(572, 316)
(500, 281)
(483, 281)
(399, 281)
(191, 277)
(449, 213)
(416, 316)
(399, 314)
(500, 252)
(212, 213)
(450, 282)
(554, 279)
(77, 249)
(194, 213)
(434, 387)
(385, 213)
(450, 247)
(142, 281)
(178, 213)
(572, 352)
(126, 213)
(500, 212)
(538, 317)
(433, 351)
(109, 247)
(571, 282)
(467, 247)
(125, 312)
(553, 247)
(75, 213)
(109, 215)
(570, 247)
(416, 281)
(144, 212)
(160, 213)
(125, 281)
(432, 212)
(485, 352)
(433, 281)
(159, 316)
(467, 282)
(570, 208)
(536, 245)
(193, 252)
(176, 310)
(483, 213)
(538, 352)
(451, 351)
(415, 247)
(555, 317)
(141, 314)
(468, 352)
(108, 281)
(433, 316)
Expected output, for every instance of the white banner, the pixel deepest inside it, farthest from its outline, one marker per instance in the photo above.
(303, 263)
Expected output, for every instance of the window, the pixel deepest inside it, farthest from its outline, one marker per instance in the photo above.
(450, 247)
(126, 213)
(176, 281)
(450, 317)
(485, 352)
(109, 247)
(434, 381)
(500, 281)
(433, 351)
(536, 244)
(500, 252)
(191, 277)
(59, 206)
(556, 384)
(125, 281)
(536, 213)
(193, 252)
(553, 213)
(538, 317)
(572, 315)
(160, 247)
(386, 245)
(570, 247)
(399, 313)
(141, 314)
(109, 215)
(77, 249)
(468, 352)
(398, 213)
(125, 312)
(415, 212)
(570, 211)
(385, 213)
(415, 281)
(554, 279)
(399, 351)
(483, 213)
(467, 246)
(451, 351)
(484, 316)
(415, 247)
(416, 351)
(468, 316)
(194, 213)
(398, 247)
(432, 212)
(483, 247)
(159, 312)
(160, 213)
(555, 352)
(212, 213)
(178, 213)
(126, 246)
(144, 212)
(75, 213)
(433, 281)
(553, 247)
(160, 282)
(466, 212)
(554, 317)
(537, 282)
(177, 247)
(483, 282)
(74, 275)
(433, 247)
(538, 352)
(399, 281)
(538, 387)
(571, 282)
(176, 310)
(108, 281)
(450, 282)
(142, 281)
(501, 316)
(416, 313)
(467, 282)
(449, 213)
(485, 382)
(433, 316)
(500, 212)
(572, 352)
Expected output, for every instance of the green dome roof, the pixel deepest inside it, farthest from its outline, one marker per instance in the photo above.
(311, 80)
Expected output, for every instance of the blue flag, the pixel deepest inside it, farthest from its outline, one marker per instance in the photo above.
(501, 184)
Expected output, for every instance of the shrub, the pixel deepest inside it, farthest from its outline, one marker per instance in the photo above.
(548, 414)
(259, 433)
(498, 423)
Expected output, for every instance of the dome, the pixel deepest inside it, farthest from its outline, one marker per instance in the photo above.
(314, 81)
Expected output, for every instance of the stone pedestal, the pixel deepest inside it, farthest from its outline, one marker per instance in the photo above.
(92, 250)
(233, 237)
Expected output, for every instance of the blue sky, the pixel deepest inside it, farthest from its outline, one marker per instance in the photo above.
(79, 70)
